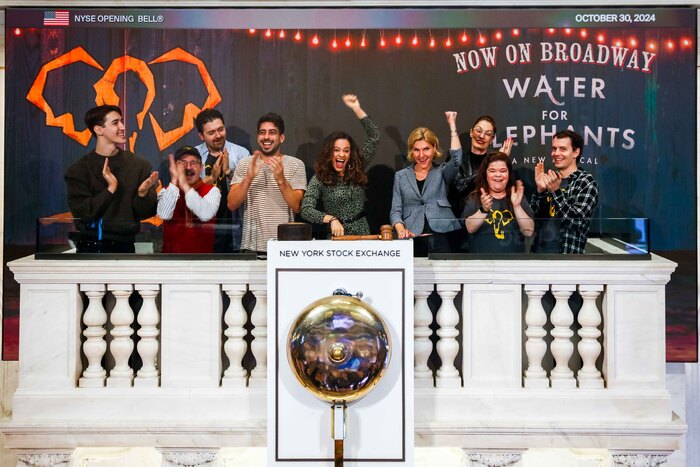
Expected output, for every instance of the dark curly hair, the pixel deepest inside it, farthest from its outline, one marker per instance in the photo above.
(354, 170)
(481, 181)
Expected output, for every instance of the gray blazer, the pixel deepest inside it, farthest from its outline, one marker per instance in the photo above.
(410, 207)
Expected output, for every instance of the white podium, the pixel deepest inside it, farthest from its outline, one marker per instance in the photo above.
(380, 425)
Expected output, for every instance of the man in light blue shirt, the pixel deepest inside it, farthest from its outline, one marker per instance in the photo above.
(220, 158)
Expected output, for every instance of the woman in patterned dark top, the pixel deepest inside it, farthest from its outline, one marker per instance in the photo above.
(336, 194)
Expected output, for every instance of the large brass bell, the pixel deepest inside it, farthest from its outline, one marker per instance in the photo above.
(339, 348)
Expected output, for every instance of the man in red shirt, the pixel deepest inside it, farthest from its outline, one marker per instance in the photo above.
(188, 206)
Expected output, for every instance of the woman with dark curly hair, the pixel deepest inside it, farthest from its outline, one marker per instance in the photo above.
(336, 193)
(497, 215)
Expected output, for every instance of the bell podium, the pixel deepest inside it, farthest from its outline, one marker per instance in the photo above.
(378, 426)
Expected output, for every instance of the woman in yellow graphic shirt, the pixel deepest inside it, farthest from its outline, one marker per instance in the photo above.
(496, 214)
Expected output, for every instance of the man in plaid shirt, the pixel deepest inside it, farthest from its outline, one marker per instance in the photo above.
(565, 198)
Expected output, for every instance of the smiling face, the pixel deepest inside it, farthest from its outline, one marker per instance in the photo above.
(481, 134)
(113, 129)
(564, 156)
(340, 155)
(214, 135)
(269, 139)
(423, 154)
(193, 167)
(497, 177)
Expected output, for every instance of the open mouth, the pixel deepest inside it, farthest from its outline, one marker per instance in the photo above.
(340, 163)
(189, 172)
(266, 145)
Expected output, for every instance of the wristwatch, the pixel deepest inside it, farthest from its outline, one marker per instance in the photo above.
(481, 209)
(229, 173)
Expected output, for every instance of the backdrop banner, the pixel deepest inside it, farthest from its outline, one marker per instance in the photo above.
(623, 78)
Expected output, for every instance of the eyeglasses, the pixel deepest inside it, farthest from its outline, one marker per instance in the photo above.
(189, 163)
(480, 131)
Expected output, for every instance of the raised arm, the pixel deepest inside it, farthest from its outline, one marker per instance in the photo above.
(369, 148)
(242, 178)
(581, 200)
(452, 165)
(81, 201)
(517, 198)
(291, 195)
(474, 220)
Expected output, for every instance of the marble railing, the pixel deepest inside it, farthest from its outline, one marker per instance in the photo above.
(509, 355)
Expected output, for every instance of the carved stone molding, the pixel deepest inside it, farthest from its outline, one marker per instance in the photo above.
(495, 459)
(44, 459)
(640, 460)
(188, 458)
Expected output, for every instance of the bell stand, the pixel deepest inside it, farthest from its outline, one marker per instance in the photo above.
(338, 420)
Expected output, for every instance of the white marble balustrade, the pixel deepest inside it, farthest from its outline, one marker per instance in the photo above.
(505, 370)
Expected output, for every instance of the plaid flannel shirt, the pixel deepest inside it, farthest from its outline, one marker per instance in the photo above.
(574, 207)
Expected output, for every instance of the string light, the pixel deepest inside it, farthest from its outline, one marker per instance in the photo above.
(448, 41)
(18, 32)
(251, 31)
(415, 40)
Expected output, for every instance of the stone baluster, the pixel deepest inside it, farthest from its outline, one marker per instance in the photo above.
(122, 346)
(259, 344)
(562, 348)
(95, 346)
(589, 347)
(535, 346)
(422, 347)
(448, 346)
(235, 346)
(148, 318)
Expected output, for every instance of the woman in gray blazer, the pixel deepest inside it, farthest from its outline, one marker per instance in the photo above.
(419, 206)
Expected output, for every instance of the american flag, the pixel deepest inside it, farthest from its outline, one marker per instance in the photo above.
(56, 18)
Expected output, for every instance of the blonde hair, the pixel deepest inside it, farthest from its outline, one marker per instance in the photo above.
(423, 134)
